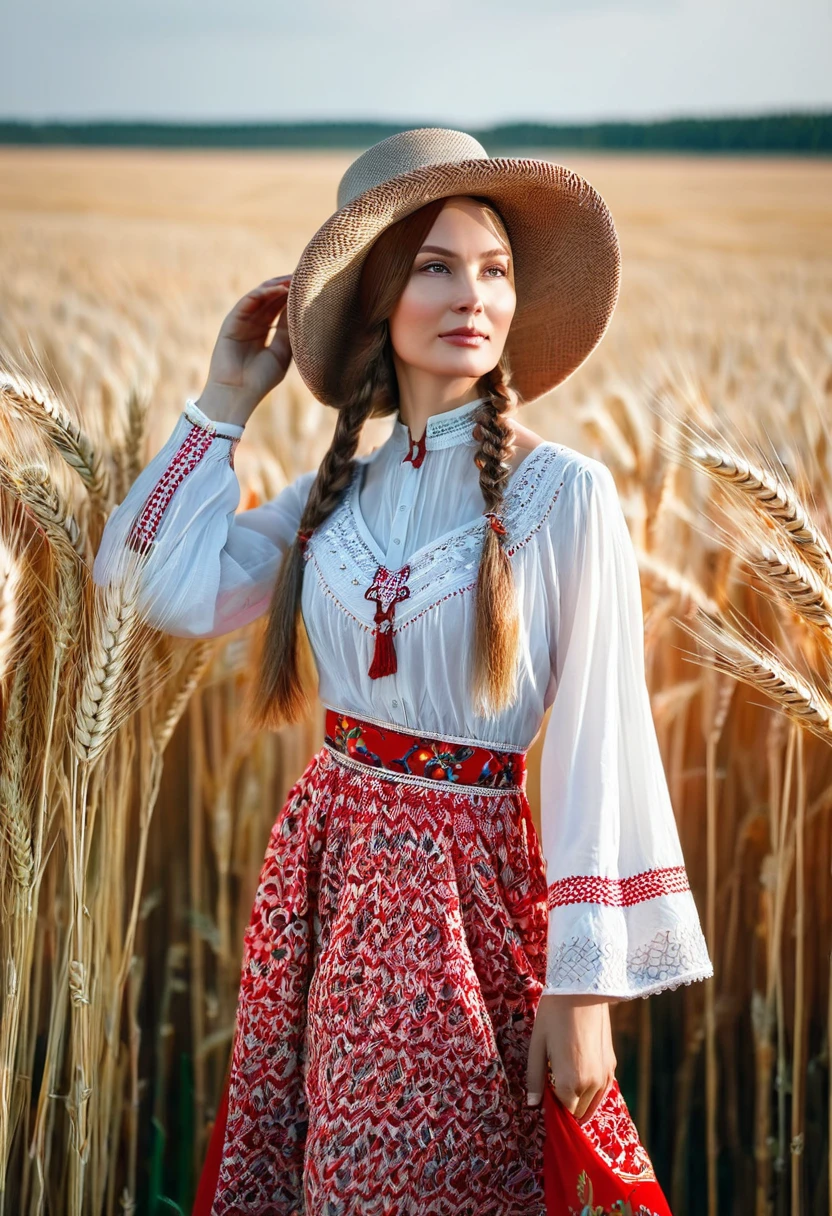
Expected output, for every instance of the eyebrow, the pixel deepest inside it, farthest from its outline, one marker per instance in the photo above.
(449, 253)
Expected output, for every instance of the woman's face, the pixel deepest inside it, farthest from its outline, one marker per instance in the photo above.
(462, 278)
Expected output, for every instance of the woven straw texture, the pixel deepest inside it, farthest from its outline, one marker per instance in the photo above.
(567, 260)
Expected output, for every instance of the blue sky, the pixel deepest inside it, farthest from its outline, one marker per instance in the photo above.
(483, 62)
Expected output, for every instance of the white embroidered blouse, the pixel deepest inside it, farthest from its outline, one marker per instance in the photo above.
(622, 919)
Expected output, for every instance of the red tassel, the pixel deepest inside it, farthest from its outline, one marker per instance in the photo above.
(384, 655)
(388, 587)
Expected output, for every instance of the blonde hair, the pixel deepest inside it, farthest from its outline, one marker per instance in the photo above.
(285, 665)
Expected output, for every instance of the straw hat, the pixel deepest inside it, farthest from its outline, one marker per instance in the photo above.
(565, 249)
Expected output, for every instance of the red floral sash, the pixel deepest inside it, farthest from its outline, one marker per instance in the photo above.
(402, 752)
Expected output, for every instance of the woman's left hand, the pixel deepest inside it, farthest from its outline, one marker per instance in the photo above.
(574, 1034)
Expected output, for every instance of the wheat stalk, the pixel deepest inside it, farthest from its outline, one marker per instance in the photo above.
(33, 487)
(133, 438)
(99, 712)
(15, 816)
(746, 660)
(54, 516)
(38, 403)
(179, 695)
(795, 583)
(777, 502)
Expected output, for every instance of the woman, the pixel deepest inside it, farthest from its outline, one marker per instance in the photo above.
(423, 1021)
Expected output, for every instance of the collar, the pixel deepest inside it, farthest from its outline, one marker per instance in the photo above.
(443, 430)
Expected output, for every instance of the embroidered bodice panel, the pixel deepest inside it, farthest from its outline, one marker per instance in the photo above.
(391, 575)
(431, 626)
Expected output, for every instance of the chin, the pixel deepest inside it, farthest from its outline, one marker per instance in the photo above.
(469, 363)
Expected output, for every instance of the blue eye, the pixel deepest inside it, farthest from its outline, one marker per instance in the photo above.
(428, 264)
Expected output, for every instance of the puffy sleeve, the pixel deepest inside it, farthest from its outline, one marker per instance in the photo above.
(622, 918)
(202, 569)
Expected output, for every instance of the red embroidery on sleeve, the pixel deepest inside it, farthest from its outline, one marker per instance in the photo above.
(187, 456)
(619, 892)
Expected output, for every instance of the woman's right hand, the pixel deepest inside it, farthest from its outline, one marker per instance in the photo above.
(244, 367)
(572, 1041)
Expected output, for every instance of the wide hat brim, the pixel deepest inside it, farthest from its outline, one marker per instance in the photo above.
(567, 267)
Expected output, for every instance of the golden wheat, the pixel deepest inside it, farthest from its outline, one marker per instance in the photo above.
(746, 660)
(768, 494)
(32, 400)
(122, 922)
(100, 708)
(796, 584)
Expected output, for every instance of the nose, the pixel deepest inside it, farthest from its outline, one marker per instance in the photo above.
(470, 297)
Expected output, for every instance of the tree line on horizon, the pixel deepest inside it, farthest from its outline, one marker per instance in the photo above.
(800, 133)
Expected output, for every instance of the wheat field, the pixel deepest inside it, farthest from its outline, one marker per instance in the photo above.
(135, 810)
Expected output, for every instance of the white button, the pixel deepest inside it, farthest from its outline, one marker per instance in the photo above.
(402, 507)
(396, 540)
(395, 704)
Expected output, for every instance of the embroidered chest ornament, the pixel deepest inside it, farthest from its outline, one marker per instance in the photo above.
(389, 587)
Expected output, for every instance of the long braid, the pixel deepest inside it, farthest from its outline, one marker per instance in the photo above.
(497, 621)
(285, 665)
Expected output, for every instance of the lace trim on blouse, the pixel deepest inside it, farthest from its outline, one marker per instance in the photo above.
(530, 495)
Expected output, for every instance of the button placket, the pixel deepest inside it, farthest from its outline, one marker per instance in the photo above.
(394, 559)
(401, 516)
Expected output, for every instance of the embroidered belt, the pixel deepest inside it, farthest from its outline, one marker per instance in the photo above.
(399, 751)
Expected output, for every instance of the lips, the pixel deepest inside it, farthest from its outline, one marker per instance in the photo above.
(464, 337)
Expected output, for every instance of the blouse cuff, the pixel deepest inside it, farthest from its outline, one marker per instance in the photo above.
(229, 430)
(625, 938)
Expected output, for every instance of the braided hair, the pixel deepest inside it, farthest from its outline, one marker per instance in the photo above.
(496, 619)
(281, 691)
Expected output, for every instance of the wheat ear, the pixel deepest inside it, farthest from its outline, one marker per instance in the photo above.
(746, 660)
(39, 403)
(795, 583)
(778, 502)
(15, 817)
(99, 711)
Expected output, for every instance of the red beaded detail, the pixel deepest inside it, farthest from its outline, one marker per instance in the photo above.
(418, 447)
(387, 588)
(496, 522)
(618, 892)
(402, 752)
(187, 456)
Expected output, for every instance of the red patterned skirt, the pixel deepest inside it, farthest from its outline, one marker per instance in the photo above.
(392, 968)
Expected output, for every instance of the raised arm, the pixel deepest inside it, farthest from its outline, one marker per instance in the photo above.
(206, 570)
(203, 569)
